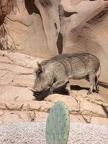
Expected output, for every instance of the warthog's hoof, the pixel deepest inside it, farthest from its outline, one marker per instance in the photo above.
(89, 92)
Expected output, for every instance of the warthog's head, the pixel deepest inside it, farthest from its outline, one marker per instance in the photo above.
(43, 80)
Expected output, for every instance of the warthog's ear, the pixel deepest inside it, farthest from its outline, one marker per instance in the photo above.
(39, 66)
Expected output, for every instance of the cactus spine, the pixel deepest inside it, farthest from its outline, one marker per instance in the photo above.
(58, 124)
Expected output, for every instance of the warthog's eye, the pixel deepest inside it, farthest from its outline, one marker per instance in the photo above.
(38, 72)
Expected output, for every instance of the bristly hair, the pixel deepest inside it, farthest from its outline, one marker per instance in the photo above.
(60, 57)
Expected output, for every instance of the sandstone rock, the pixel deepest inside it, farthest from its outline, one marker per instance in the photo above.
(93, 98)
(4, 59)
(13, 93)
(14, 117)
(24, 80)
(19, 59)
(41, 106)
(99, 120)
(40, 117)
(5, 7)
(69, 101)
(87, 108)
(11, 106)
(33, 35)
(74, 23)
(82, 92)
(31, 27)
(16, 69)
(80, 118)
(51, 23)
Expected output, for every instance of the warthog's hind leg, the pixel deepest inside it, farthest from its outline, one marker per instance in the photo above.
(96, 84)
(92, 83)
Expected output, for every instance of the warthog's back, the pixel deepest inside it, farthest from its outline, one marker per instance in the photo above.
(76, 65)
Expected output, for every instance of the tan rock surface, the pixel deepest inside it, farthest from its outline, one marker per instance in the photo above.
(17, 103)
(36, 27)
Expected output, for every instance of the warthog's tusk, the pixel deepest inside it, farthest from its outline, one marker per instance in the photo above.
(33, 90)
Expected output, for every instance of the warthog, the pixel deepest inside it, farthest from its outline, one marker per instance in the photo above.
(56, 72)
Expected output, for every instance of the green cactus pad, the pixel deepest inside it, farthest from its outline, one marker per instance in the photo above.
(58, 124)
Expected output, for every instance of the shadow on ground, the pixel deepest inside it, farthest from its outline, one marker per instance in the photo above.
(61, 90)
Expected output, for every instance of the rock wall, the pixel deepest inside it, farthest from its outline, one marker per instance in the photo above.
(54, 26)
(32, 27)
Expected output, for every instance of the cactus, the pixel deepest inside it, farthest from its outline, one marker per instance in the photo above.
(58, 124)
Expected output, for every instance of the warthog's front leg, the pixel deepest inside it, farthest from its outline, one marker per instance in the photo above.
(68, 88)
(59, 83)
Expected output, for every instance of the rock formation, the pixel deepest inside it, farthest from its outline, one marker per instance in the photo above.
(44, 25)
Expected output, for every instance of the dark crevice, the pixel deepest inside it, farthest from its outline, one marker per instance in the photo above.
(68, 14)
(60, 43)
(55, 25)
(64, 13)
(1, 46)
(99, 17)
(105, 110)
(31, 7)
(1, 22)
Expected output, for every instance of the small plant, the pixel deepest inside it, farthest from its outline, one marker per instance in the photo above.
(58, 124)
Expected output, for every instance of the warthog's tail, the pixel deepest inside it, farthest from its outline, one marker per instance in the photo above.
(100, 83)
(103, 84)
